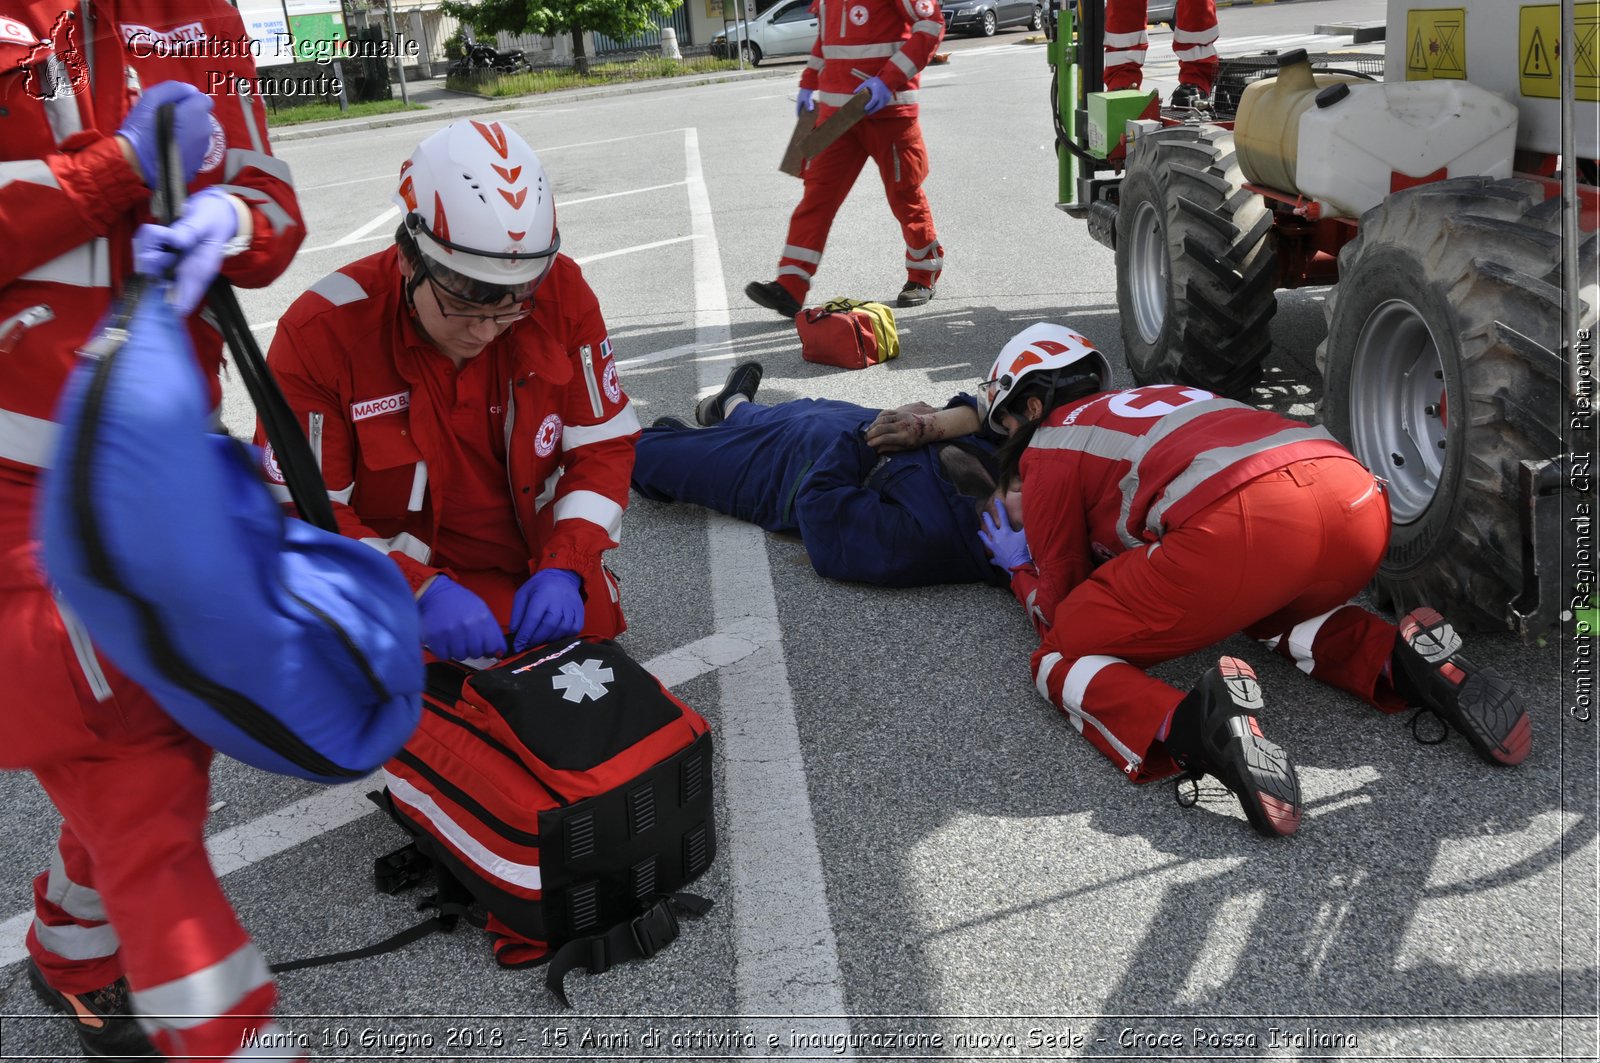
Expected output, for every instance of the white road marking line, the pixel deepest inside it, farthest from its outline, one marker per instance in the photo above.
(786, 961)
(358, 235)
(336, 806)
(614, 195)
(636, 247)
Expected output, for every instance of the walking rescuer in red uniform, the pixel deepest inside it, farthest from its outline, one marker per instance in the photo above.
(462, 397)
(879, 46)
(1161, 520)
(130, 901)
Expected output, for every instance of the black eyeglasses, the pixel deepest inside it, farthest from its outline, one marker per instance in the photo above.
(509, 316)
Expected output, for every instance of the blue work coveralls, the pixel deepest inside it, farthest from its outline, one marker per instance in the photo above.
(804, 467)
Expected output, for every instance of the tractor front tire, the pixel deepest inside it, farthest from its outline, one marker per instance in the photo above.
(1196, 263)
(1443, 373)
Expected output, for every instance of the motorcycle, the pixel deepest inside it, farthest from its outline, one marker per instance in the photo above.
(485, 59)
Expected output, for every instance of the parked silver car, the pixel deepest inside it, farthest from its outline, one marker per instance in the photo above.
(787, 28)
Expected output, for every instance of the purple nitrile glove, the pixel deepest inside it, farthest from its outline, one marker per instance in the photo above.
(456, 624)
(548, 606)
(1007, 546)
(191, 128)
(191, 249)
(805, 102)
(880, 94)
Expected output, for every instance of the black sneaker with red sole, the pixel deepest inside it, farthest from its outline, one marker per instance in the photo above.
(1430, 672)
(1215, 732)
(106, 1026)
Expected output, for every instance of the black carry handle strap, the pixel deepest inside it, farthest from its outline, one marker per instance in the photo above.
(635, 939)
(300, 470)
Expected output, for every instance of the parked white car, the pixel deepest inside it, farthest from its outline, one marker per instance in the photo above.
(787, 28)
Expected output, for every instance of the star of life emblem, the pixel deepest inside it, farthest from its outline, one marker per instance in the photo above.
(580, 681)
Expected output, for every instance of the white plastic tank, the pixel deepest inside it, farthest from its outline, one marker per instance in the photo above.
(1360, 142)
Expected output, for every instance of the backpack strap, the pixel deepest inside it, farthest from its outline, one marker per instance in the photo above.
(391, 874)
(634, 939)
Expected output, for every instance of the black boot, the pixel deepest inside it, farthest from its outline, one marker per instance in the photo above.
(773, 296)
(1478, 702)
(742, 380)
(106, 1027)
(1215, 732)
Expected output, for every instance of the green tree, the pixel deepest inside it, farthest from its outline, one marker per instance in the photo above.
(614, 18)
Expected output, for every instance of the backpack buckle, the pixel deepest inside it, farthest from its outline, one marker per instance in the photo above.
(655, 929)
(399, 870)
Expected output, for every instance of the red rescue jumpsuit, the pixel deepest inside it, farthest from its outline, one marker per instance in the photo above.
(856, 40)
(130, 890)
(515, 462)
(1205, 517)
(1194, 42)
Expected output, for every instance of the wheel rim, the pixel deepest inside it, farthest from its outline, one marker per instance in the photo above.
(1398, 415)
(1147, 247)
(1038, 19)
(988, 23)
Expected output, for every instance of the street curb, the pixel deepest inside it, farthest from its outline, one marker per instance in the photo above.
(436, 112)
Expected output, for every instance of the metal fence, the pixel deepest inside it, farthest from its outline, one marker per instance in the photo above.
(650, 40)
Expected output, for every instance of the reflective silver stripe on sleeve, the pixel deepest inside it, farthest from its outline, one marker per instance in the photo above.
(33, 171)
(405, 543)
(419, 487)
(592, 507)
(928, 26)
(27, 440)
(256, 199)
(83, 649)
(623, 423)
(236, 159)
(199, 998)
(86, 266)
(802, 254)
(904, 64)
(342, 496)
(76, 900)
(73, 942)
(815, 62)
(339, 289)
(906, 99)
(860, 51)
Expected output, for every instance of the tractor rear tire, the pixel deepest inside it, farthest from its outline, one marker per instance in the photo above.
(1196, 263)
(1443, 372)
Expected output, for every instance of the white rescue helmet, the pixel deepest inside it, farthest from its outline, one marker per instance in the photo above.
(477, 201)
(1043, 349)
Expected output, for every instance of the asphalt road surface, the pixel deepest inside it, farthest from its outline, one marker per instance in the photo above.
(918, 858)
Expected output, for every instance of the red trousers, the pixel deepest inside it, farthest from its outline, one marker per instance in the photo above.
(130, 890)
(895, 144)
(1194, 41)
(1277, 559)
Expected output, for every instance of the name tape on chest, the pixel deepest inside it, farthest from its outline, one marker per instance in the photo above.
(360, 411)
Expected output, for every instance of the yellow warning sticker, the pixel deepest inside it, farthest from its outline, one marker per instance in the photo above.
(1539, 52)
(1436, 43)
